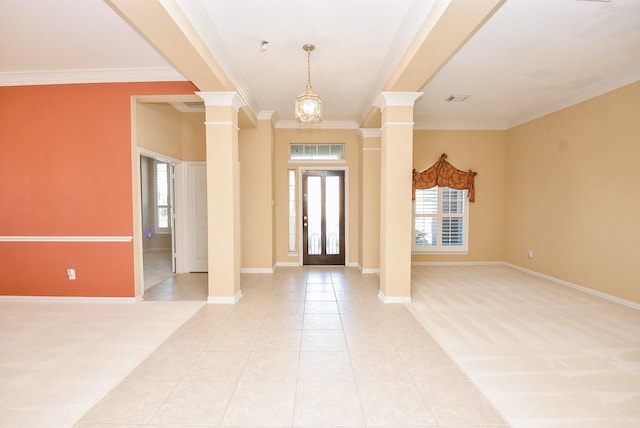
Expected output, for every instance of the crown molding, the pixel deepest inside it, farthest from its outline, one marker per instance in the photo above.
(90, 75)
(460, 126)
(592, 91)
(293, 124)
(370, 132)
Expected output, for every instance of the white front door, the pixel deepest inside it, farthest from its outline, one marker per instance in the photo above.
(197, 246)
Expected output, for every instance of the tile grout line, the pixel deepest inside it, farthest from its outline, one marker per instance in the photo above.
(295, 392)
(355, 381)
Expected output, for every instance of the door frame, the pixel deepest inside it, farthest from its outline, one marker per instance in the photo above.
(180, 183)
(300, 196)
(179, 208)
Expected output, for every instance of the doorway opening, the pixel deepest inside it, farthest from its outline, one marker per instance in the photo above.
(164, 128)
(157, 189)
(323, 217)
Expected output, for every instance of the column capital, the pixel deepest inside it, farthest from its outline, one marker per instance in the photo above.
(396, 99)
(230, 99)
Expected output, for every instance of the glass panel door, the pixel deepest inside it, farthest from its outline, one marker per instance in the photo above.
(323, 217)
(332, 214)
(313, 216)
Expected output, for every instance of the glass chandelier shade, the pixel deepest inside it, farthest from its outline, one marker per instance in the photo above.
(308, 105)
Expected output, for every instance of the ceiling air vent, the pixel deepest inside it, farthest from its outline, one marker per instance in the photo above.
(457, 98)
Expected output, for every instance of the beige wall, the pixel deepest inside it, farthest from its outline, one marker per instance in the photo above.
(485, 153)
(256, 171)
(165, 130)
(573, 194)
(159, 128)
(194, 147)
(369, 199)
(565, 186)
(351, 139)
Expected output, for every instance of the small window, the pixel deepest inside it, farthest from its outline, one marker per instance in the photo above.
(441, 220)
(163, 207)
(316, 152)
(292, 210)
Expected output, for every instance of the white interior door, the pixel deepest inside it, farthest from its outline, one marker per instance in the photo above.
(197, 218)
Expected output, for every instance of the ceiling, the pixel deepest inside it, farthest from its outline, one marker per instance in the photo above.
(530, 58)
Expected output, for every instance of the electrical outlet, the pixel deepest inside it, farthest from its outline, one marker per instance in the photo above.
(71, 273)
(530, 254)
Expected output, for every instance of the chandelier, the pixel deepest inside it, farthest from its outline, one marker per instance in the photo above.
(308, 105)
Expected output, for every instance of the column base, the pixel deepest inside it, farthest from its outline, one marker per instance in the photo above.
(220, 300)
(393, 299)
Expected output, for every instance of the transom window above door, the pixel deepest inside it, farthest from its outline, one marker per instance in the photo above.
(316, 152)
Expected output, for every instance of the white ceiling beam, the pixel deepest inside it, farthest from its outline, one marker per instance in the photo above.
(448, 26)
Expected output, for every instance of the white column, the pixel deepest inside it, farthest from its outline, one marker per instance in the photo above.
(223, 195)
(396, 230)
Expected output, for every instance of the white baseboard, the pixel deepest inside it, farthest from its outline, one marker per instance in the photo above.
(581, 288)
(288, 264)
(70, 299)
(539, 275)
(257, 270)
(488, 263)
(215, 300)
(397, 299)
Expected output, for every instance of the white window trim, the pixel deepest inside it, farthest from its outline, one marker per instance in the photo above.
(443, 249)
(157, 229)
(299, 161)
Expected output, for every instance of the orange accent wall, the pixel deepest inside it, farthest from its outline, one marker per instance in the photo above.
(65, 170)
(40, 269)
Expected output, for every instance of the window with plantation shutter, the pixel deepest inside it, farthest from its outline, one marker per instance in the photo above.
(440, 220)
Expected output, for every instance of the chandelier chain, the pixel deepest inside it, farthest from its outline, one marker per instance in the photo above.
(308, 68)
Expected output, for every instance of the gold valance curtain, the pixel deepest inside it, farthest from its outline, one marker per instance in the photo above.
(443, 174)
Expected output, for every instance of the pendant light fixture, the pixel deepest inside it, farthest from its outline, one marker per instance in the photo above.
(308, 105)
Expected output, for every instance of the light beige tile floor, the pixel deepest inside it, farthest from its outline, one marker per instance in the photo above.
(161, 283)
(156, 267)
(303, 347)
(316, 347)
(190, 286)
(57, 359)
